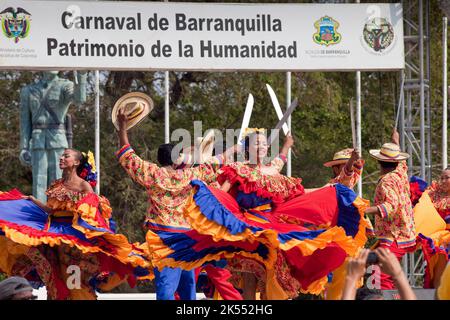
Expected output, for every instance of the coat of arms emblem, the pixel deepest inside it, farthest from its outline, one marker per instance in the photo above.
(326, 31)
(15, 23)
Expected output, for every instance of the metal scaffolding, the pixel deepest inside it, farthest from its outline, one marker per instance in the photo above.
(415, 109)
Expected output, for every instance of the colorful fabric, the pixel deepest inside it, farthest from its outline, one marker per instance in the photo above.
(79, 231)
(443, 292)
(433, 233)
(168, 190)
(386, 281)
(248, 180)
(395, 223)
(417, 186)
(436, 257)
(219, 277)
(350, 179)
(441, 202)
(226, 228)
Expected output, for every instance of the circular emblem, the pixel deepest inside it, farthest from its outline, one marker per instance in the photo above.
(378, 34)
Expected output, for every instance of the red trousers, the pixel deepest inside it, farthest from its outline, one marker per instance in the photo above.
(386, 281)
(219, 278)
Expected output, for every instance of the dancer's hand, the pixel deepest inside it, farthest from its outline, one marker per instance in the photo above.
(355, 156)
(123, 134)
(29, 198)
(288, 143)
(289, 140)
(395, 137)
(356, 267)
(122, 120)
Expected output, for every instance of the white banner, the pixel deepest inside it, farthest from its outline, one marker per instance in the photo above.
(200, 36)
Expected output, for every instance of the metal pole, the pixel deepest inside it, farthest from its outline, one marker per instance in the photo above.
(288, 103)
(166, 108)
(97, 129)
(166, 105)
(422, 95)
(444, 93)
(402, 111)
(358, 120)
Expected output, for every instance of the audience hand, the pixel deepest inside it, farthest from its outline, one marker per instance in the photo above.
(389, 263)
(356, 266)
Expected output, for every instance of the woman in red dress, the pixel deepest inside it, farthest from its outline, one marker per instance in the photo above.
(68, 244)
(279, 238)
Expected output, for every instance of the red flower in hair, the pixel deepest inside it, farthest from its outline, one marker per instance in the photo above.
(83, 173)
(93, 183)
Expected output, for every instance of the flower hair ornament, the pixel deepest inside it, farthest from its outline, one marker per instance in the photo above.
(249, 131)
(88, 171)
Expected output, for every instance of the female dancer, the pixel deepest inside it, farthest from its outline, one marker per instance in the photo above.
(262, 216)
(434, 244)
(68, 244)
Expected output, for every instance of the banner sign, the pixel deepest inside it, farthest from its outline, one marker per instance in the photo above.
(122, 35)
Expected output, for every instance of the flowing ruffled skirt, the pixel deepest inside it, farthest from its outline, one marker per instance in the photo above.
(41, 247)
(303, 239)
(433, 237)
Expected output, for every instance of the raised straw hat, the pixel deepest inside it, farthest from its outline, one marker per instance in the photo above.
(137, 106)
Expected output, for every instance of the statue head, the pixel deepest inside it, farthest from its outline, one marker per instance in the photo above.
(49, 75)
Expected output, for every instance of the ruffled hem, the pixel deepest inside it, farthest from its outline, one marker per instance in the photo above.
(86, 220)
(432, 252)
(168, 252)
(208, 216)
(289, 190)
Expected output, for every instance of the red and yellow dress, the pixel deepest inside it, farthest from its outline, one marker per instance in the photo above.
(297, 239)
(432, 215)
(72, 251)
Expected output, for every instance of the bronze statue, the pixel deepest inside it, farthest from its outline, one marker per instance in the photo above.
(43, 110)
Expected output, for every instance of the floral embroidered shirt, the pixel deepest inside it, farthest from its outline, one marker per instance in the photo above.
(441, 202)
(168, 190)
(396, 219)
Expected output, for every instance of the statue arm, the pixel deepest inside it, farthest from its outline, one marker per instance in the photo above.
(25, 119)
(76, 92)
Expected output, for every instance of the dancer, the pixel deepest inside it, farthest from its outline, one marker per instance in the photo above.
(168, 191)
(394, 219)
(347, 168)
(68, 242)
(432, 214)
(250, 219)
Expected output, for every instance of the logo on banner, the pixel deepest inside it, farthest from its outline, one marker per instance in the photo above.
(15, 23)
(327, 31)
(378, 34)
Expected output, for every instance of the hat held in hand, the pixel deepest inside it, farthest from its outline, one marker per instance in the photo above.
(137, 106)
(340, 157)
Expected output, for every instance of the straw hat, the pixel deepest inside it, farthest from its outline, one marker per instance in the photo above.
(339, 157)
(137, 106)
(205, 151)
(389, 152)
